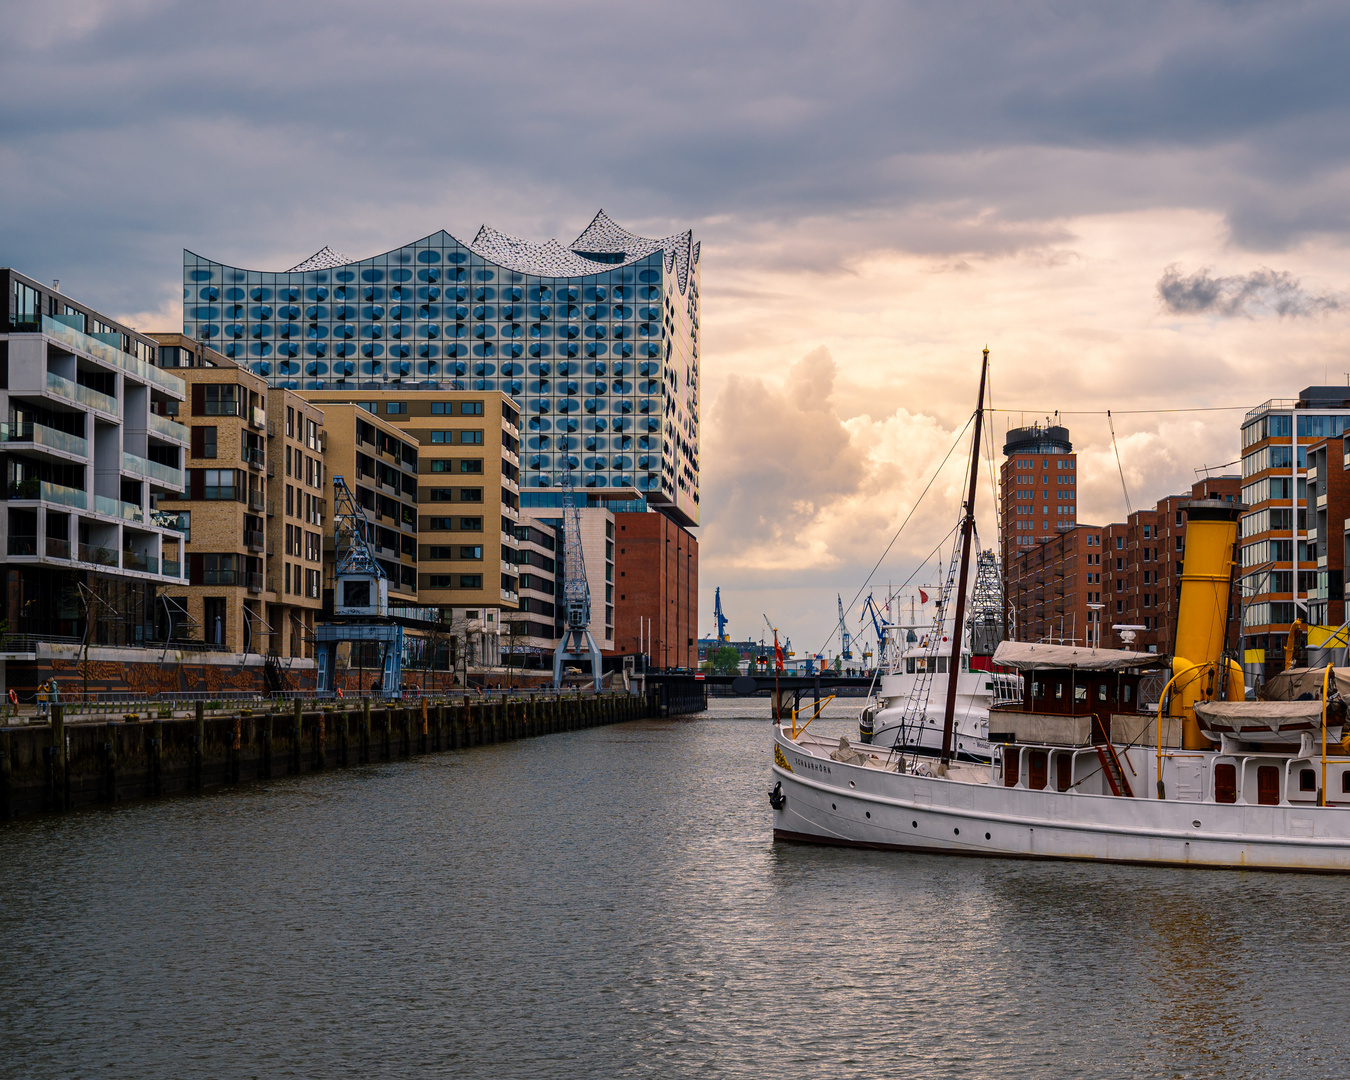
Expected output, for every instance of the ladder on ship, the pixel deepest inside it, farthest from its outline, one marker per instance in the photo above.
(1111, 767)
(915, 713)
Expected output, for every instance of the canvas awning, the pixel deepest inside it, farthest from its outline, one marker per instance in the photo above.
(1250, 715)
(1033, 656)
(1292, 684)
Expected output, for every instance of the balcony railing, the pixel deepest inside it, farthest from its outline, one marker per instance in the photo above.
(118, 509)
(22, 545)
(49, 492)
(218, 577)
(253, 538)
(257, 500)
(173, 568)
(168, 429)
(84, 395)
(136, 560)
(39, 435)
(99, 556)
(153, 470)
(255, 583)
(111, 354)
(254, 457)
(58, 549)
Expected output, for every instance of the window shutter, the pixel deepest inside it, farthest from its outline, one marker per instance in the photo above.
(196, 483)
(198, 399)
(196, 572)
(198, 441)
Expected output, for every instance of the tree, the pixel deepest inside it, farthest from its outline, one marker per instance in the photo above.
(724, 661)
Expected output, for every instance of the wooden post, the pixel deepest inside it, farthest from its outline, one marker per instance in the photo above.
(199, 747)
(154, 752)
(343, 720)
(365, 731)
(320, 761)
(297, 721)
(110, 764)
(265, 766)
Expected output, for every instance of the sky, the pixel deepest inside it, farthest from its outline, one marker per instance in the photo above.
(1136, 207)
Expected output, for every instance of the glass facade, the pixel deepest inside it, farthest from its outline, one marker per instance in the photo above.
(597, 342)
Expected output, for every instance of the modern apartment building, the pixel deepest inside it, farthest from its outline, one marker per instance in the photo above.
(252, 511)
(597, 546)
(89, 445)
(598, 341)
(463, 448)
(1328, 533)
(534, 629)
(1051, 585)
(1278, 558)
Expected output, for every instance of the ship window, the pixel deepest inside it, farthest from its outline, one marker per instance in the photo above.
(1101, 691)
(1345, 782)
(1126, 693)
(1012, 759)
(1267, 785)
(909, 666)
(1064, 772)
(1307, 780)
(1079, 694)
(1038, 690)
(1036, 767)
(1225, 783)
(942, 665)
(1059, 691)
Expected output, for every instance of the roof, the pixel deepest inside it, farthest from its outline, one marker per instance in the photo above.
(1031, 656)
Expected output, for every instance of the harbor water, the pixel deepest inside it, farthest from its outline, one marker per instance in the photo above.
(610, 903)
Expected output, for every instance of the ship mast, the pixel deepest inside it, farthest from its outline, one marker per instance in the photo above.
(967, 527)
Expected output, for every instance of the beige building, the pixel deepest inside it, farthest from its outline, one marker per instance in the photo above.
(253, 511)
(465, 456)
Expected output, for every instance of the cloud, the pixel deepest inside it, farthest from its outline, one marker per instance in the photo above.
(1250, 294)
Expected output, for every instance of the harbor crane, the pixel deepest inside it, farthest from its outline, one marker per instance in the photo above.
(576, 594)
(721, 619)
(879, 625)
(360, 599)
(845, 640)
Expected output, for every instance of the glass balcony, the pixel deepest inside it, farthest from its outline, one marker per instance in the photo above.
(84, 395)
(48, 492)
(255, 583)
(152, 470)
(118, 509)
(172, 568)
(44, 436)
(110, 354)
(135, 560)
(253, 538)
(257, 500)
(167, 429)
(58, 549)
(22, 545)
(99, 556)
(218, 577)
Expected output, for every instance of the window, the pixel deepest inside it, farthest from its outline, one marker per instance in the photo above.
(1307, 780)
(181, 520)
(471, 524)
(470, 494)
(438, 408)
(471, 438)
(370, 407)
(221, 401)
(471, 581)
(440, 581)
(219, 484)
(440, 523)
(470, 552)
(471, 465)
(312, 583)
(439, 437)
(396, 408)
(204, 442)
(442, 494)
(218, 569)
(440, 551)
(27, 303)
(290, 424)
(470, 408)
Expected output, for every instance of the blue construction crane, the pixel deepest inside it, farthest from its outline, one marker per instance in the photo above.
(845, 641)
(721, 619)
(879, 625)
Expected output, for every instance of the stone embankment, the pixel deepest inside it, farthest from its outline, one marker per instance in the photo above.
(62, 765)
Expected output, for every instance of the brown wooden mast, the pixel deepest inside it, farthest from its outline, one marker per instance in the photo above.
(967, 529)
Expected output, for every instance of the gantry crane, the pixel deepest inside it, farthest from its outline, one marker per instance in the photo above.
(576, 593)
(845, 641)
(721, 619)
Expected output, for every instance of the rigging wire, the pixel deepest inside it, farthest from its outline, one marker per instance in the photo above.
(931, 481)
(1129, 412)
(1120, 468)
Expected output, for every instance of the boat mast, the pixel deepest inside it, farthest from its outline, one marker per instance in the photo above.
(967, 527)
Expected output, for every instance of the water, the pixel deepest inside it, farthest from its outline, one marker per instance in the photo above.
(609, 903)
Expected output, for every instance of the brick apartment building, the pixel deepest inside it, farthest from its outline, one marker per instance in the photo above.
(657, 564)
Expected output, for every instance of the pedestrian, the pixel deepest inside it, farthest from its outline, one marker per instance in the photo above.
(43, 696)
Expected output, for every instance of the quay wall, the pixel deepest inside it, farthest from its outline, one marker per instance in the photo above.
(60, 766)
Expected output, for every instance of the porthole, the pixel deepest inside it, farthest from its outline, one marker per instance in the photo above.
(852, 784)
(986, 836)
(869, 813)
(957, 832)
(915, 824)
(833, 807)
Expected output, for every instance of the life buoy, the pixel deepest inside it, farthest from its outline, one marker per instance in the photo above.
(13, 698)
(340, 693)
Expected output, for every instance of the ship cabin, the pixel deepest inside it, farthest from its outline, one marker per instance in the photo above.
(1075, 703)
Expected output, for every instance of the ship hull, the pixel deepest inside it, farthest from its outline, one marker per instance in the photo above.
(829, 802)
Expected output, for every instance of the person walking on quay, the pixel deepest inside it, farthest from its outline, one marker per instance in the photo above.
(43, 697)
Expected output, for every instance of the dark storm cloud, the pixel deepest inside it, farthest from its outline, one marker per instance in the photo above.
(1259, 292)
(256, 132)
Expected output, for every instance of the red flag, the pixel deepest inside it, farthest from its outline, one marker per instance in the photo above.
(778, 655)
(923, 597)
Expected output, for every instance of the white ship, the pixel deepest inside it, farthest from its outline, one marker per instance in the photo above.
(1080, 771)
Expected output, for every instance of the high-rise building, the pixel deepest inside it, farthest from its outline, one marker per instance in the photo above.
(1278, 558)
(598, 342)
(1039, 485)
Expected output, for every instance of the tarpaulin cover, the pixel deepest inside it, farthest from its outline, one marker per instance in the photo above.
(1030, 656)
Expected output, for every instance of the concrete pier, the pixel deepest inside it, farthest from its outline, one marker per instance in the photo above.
(63, 765)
